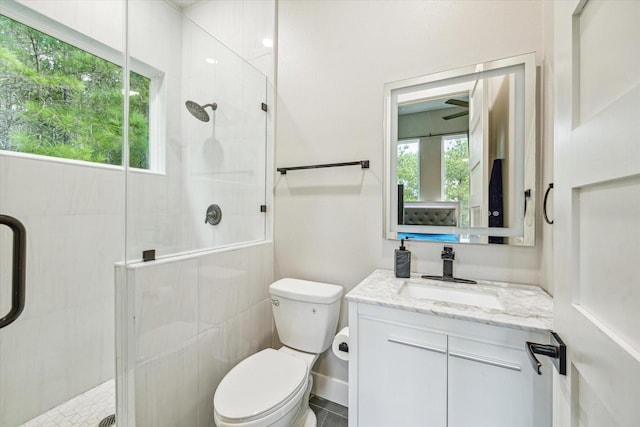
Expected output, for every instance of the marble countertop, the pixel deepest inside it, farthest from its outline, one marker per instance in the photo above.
(526, 307)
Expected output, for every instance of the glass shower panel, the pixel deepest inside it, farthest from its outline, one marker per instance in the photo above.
(62, 345)
(207, 141)
(225, 157)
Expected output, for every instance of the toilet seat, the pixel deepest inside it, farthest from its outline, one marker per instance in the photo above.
(264, 384)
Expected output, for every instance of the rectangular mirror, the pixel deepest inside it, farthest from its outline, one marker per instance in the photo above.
(460, 154)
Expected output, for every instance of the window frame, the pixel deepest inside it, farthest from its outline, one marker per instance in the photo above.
(408, 141)
(443, 168)
(157, 88)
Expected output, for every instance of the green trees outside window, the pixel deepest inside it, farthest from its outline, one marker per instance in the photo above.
(58, 100)
(455, 163)
(408, 170)
(456, 174)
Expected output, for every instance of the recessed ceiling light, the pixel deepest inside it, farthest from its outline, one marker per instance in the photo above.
(267, 42)
(211, 61)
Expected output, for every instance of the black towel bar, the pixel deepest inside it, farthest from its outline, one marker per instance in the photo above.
(364, 164)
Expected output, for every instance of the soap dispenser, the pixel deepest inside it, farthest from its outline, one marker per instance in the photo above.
(402, 265)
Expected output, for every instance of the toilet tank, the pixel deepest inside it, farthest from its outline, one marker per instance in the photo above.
(306, 313)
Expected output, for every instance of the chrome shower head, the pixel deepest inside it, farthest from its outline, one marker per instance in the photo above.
(198, 111)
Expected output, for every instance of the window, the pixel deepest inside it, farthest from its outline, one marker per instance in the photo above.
(61, 101)
(455, 184)
(408, 168)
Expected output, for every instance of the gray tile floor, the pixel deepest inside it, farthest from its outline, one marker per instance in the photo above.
(329, 414)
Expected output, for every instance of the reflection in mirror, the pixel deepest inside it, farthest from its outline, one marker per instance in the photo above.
(456, 144)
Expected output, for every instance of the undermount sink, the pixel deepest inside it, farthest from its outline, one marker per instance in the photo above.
(476, 298)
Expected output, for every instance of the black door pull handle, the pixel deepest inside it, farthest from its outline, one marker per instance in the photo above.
(557, 351)
(544, 204)
(18, 270)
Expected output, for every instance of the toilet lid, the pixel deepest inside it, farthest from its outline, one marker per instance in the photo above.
(259, 384)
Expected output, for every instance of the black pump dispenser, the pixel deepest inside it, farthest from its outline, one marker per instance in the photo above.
(402, 264)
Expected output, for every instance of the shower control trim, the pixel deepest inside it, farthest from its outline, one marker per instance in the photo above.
(213, 215)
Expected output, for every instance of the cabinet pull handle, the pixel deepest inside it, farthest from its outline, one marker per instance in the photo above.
(416, 345)
(486, 361)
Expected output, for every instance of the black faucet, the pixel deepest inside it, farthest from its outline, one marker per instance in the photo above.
(447, 256)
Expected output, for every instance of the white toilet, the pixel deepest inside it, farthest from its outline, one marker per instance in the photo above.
(272, 387)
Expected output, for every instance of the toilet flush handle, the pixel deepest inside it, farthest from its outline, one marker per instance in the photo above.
(275, 302)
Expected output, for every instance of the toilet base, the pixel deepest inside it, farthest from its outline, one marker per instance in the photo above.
(310, 420)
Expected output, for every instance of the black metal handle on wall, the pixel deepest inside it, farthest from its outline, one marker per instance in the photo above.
(18, 271)
(544, 204)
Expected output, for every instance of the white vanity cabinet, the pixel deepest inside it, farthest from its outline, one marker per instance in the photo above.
(408, 369)
(403, 368)
(492, 385)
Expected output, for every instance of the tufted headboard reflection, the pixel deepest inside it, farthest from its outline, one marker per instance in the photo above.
(431, 213)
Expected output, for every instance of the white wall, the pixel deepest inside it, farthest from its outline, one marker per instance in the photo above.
(241, 25)
(333, 60)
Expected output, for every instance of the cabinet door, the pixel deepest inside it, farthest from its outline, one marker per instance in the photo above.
(494, 386)
(402, 376)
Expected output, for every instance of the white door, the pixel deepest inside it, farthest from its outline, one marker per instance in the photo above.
(478, 155)
(597, 211)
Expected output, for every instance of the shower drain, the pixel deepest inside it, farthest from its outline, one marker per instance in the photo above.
(108, 421)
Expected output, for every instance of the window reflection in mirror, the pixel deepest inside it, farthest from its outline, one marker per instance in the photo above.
(457, 143)
(445, 176)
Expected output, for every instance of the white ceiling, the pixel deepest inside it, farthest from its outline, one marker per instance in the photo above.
(433, 104)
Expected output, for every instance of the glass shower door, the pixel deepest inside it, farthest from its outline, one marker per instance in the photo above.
(69, 199)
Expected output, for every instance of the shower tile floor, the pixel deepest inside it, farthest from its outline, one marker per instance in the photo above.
(85, 410)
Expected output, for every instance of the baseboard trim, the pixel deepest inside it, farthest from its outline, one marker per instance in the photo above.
(330, 388)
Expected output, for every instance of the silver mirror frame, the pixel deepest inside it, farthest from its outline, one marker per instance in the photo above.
(522, 233)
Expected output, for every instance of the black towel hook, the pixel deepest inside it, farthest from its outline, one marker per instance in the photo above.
(544, 204)
(527, 194)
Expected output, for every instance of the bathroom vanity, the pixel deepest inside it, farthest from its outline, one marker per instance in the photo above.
(430, 353)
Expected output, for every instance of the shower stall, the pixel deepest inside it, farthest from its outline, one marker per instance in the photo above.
(147, 265)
